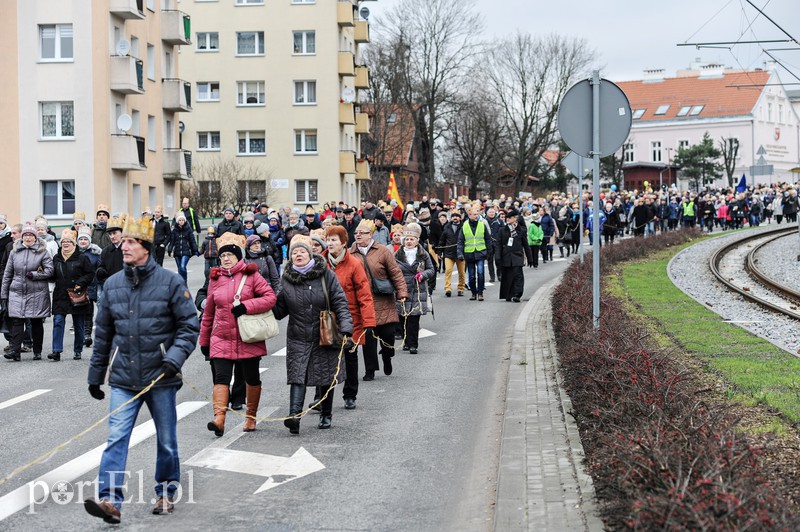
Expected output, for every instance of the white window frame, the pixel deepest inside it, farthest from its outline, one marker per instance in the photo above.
(638, 113)
(683, 111)
(204, 37)
(151, 133)
(260, 50)
(780, 113)
(209, 136)
(662, 110)
(57, 57)
(306, 184)
(304, 42)
(151, 62)
(304, 96)
(683, 144)
(301, 2)
(59, 121)
(241, 93)
(656, 151)
(209, 85)
(262, 134)
(245, 3)
(303, 135)
(628, 152)
(60, 197)
(696, 110)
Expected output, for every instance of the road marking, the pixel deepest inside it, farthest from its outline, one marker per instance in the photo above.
(424, 333)
(21, 398)
(20, 497)
(279, 353)
(262, 370)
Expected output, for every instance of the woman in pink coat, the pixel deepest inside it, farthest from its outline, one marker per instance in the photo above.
(219, 330)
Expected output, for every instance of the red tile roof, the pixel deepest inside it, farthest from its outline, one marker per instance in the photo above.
(718, 95)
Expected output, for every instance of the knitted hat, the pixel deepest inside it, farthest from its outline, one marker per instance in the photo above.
(40, 223)
(85, 232)
(318, 236)
(262, 229)
(252, 239)
(366, 225)
(412, 229)
(302, 241)
(104, 209)
(231, 243)
(229, 209)
(69, 235)
(28, 228)
(274, 216)
(248, 217)
(180, 216)
(79, 217)
(3, 219)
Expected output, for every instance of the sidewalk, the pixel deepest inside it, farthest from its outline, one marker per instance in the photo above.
(542, 484)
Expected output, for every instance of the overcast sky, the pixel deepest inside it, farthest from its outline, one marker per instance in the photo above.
(633, 35)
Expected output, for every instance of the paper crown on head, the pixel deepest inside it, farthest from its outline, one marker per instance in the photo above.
(139, 229)
(317, 232)
(397, 229)
(69, 234)
(103, 208)
(366, 225)
(79, 216)
(412, 229)
(231, 239)
(116, 222)
(302, 241)
(85, 232)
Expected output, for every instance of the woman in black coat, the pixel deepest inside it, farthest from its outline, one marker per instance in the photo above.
(301, 298)
(514, 250)
(182, 244)
(72, 271)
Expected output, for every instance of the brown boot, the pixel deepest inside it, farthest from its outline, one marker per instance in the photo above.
(253, 398)
(220, 399)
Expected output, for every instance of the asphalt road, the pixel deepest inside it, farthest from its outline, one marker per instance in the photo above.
(419, 452)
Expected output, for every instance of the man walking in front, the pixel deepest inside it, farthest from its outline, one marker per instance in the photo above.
(146, 327)
(473, 247)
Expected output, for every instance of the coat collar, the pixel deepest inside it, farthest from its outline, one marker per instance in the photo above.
(295, 277)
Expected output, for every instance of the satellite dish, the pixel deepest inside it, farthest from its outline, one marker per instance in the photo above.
(123, 47)
(348, 95)
(124, 122)
(364, 13)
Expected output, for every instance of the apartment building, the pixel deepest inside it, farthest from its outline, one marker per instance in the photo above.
(276, 87)
(91, 106)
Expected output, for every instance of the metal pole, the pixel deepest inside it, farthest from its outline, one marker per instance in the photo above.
(596, 198)
(580, 207)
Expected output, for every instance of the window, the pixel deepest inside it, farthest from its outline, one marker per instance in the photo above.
(58, 197)
(151, 62)
(208, 141)
(305, 92)
(136, 123)
(662, 110)
(207, 91)
(55, 42)
(683, 144)
(249, 2)
(683, 111)
(207, 41)
(637, 113)
(58, 120)
(304, 1)
(210, 189)
(250, 93)
(251, 142)
(247, 189)
(151, 133)
(305, 42)
(151, 5)
(628, 153)
(780, 114)
(305, 191)
(696, 110)
(135, 52)
(250, 43)
(305, 141)
(655, 149)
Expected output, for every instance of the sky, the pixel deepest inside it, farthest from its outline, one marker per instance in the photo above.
(631, 36)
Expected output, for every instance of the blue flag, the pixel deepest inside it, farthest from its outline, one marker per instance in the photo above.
(742, 186)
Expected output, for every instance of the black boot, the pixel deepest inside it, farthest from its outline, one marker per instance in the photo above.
(297, 394)
(325, 416)
(55, 357)
(317, 396)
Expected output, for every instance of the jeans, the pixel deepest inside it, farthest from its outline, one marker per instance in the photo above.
(111, 478)
(476, 286)
(650, 228)
(59, 324)
(181, 262)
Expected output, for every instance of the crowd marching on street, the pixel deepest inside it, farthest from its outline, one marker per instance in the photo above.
(341, 277)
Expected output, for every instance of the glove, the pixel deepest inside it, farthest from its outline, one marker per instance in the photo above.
(349, 344)
(239, 310)
(206, 350)
(418, 277)
(169, 370)
(29, 275)
(96, 392)
(460, 257)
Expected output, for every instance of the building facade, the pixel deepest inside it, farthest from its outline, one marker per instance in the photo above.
(276, 89)
(92, 103)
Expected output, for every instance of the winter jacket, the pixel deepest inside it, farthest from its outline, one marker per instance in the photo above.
(548, 226)
(355, 283)
(208, 248)
(611, 221)
(290, 231)
(191, 219)
(381, 235)
(535, 235)
(380, 264)
(182, 242)
(495, 224)
(93, 254)
(75, 271)
(417, 302)
(564, 233)
(302, 300)
(514, 255)
(234, 226)
(790, 205)
(110, 263)
(266, 267)
(100, 237)
(162, 232)
(28, 298)
(220, 329)
(278, 238)
(487, 241)
(640, 218)
(145, 318)
(448, 242)
(350, 227)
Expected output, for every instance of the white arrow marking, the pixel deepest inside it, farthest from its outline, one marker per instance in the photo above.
(279, 353)
(21, 398)
(278, 469)
(424, 333)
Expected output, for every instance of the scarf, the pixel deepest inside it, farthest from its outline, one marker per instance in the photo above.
(335, 261)
(67, 255)
(411, 254)
(5, 232)
(305, 269)
(364, 251)
(101, 225)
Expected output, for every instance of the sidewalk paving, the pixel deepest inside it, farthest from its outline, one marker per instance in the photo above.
(542, 483)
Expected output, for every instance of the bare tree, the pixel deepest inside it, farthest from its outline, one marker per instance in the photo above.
(435, 41)
(528, 76)
(729, 151)
(226, 182)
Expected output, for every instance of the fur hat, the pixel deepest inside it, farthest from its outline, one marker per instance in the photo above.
(366, 225)
(412, 229)
(231, 243)
(69, 235)
(302, 241)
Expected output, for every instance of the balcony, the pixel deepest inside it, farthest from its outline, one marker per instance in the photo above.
(347, 64)
(127, 9)
(176, 27)
(362, 77)
(176, 95)
(347, 162)
(127, 75)
(127, 152)
(177, 164)
(362, 31)
(344, 14)
(362, 123)
(362, 169)
(346, 113)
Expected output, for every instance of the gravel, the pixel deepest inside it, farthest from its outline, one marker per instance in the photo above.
(689, 271)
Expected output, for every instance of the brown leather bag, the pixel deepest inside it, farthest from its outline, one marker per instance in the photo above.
(78, 298)
(329, 333)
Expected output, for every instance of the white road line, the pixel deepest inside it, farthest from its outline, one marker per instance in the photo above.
(424, 333)
(262, 370)
(21, 398)
(20, 497)
(279, 353)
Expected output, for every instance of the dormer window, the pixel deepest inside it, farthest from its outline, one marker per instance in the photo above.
(696, 110)
(683, 111)
(637, 114)
(662, 110)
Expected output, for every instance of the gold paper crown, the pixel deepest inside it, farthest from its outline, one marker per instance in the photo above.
(69, 234)
(317, 232)
(139, 229)
(397, 229)
(116, 222)
(231, 239)
(103, 208)
(79, 215)
(85, 231)
(366, 225)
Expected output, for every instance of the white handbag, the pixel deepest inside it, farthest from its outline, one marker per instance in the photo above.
(254, 328)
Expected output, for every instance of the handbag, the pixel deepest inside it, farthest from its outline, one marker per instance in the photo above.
(254, 328)
(380, 287)
(329, 333)
(78, 298)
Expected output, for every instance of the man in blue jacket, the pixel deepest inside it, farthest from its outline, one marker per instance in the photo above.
(146, 327)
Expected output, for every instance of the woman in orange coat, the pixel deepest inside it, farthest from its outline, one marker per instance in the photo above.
(353, 278)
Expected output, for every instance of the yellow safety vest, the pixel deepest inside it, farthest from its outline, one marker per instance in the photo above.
(474, 242)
